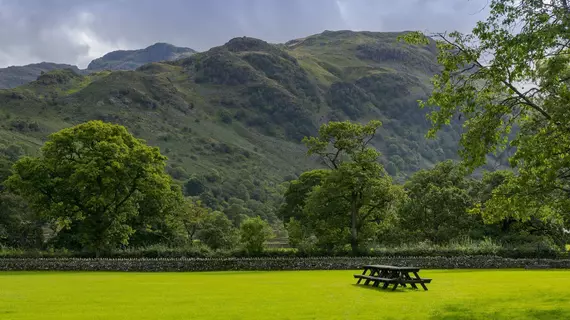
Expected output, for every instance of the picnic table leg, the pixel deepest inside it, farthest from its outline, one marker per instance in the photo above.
(401, 276)
(395, 286)
(407, 276)
(363, 273)
(374, 273)
(421, 283)
(371, 274)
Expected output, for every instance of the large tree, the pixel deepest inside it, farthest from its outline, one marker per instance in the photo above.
(341, 203)
(96, 179)
(512, 71)
(438, 203)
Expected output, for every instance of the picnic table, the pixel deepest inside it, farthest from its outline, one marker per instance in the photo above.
(391, 275)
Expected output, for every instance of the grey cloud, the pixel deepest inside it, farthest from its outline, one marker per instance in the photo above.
(74, 31)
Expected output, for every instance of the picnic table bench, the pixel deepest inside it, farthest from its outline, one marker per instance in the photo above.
(391, 275)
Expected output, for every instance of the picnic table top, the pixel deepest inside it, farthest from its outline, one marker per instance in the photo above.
(394, 268)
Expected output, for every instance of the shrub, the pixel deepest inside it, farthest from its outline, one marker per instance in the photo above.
(253, 234)
(218, 232)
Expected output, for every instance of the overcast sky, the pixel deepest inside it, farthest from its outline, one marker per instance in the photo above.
(76, 31)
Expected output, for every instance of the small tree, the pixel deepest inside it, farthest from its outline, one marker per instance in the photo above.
(218, 231)
(254, 232)
(193, 217)
(95, 179)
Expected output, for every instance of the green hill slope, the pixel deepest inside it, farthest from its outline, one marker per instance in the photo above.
(233, 117)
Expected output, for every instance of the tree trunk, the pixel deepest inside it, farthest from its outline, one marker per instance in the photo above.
(353, 229)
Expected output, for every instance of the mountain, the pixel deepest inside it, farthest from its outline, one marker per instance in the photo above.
(14, 76)
(132, 59)
(231, 119)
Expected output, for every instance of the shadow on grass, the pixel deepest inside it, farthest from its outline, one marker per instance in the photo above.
(459, 312)
(400, 289)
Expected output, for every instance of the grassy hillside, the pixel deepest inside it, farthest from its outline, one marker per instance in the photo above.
(132, 59)
(14, 76)
(232, 118)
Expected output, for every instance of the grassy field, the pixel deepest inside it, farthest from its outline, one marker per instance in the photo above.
(456, 294)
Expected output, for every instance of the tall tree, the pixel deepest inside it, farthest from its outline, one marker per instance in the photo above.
(357, 191)
(95, 178)
(357, 197)
(512, 71)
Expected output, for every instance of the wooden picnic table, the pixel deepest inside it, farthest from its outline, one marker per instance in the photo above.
(391, 275)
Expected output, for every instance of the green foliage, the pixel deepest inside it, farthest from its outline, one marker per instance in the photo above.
(193, 218)
(19, 226)
(337, 140)
(437, 204)
(194, 186)
(300, 236)
(254, 232)
(297, 193)
(512, 73)
(348, 202)
(522, 232)
(96, 179)
(217, 231)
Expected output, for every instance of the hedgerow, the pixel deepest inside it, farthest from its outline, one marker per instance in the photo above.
(158, 251)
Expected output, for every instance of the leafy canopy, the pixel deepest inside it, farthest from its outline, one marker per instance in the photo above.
(512, 71)
(342, 204)
(338, 140)
(254, 232)
(437, 204)
(96, 178)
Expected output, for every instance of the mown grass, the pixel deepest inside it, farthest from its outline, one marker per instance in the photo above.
(456, 294)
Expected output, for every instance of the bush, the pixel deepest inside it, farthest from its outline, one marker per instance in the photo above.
(254, 232)
(218, 232)
(217, 223)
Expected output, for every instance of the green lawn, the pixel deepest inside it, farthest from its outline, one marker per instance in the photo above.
(456, 294)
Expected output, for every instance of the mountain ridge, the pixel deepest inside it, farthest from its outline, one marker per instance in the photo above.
(132, 59)
(13, 76)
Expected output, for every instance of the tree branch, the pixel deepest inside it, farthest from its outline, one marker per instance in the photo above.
(505, 82)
